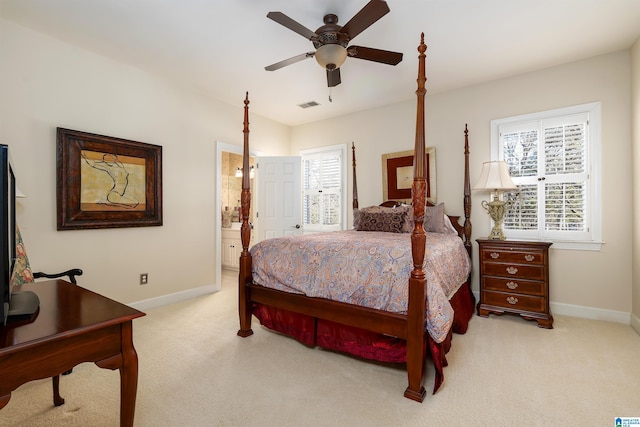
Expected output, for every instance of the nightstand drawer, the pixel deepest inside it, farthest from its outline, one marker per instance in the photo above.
(514, 285)
(520, 257)
(533, 272)
(514, 301)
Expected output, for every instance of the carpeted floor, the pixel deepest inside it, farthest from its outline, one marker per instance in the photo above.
(195, 371)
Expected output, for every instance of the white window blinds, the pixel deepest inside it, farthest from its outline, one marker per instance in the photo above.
(550, 159)
(323, 180)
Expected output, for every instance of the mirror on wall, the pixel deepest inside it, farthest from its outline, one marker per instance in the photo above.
(232, 188)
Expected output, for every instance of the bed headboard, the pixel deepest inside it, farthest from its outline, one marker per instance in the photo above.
(464, 229)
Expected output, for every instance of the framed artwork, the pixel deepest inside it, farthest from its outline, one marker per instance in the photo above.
(107, 182)
(397, 175)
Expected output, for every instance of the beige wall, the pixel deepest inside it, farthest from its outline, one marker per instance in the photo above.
(45, 84)
(578, 278)
(635, 110)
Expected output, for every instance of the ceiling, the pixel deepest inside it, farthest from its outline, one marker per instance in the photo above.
(220, 48)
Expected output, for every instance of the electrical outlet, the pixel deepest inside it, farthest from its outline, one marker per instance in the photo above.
(144, 278)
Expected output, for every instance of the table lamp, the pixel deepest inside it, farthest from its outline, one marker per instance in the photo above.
(495, 177)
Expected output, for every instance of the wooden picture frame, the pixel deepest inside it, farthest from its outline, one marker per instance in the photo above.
(397, 175)
(107, 182)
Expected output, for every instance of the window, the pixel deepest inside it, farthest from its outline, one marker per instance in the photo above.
(553, 159)
(324, 172)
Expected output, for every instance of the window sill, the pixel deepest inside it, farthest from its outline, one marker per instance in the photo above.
(578, 246)
(566, 244)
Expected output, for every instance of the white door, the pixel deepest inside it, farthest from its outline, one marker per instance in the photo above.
(279, 212)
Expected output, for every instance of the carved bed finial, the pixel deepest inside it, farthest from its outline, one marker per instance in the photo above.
(355, 181)
(467, 194)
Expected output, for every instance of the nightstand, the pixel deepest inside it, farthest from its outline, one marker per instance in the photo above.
(514, 278)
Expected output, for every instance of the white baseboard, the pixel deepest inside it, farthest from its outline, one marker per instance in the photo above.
(590, 313)
(174, 298)
(561, 309)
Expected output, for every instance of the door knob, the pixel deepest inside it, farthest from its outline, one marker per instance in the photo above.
(296, 226)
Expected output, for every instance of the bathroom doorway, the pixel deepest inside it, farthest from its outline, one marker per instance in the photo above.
(228, 189)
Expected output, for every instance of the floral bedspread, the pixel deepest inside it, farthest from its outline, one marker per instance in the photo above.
(365, 268)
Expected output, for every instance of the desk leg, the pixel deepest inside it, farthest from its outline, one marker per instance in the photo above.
(57, 399)
(128, 377)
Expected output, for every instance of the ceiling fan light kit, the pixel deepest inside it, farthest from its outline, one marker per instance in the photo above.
(331, 56)
(332, 40)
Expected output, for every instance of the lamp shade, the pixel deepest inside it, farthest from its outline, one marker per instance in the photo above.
(495, 176)
(331, 56)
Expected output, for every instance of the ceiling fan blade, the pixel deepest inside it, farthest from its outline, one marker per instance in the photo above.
(283, 19)
(289, 61)
(369, 14)
(376, 55)
(333, 77)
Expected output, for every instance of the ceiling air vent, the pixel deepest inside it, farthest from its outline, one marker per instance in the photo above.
(308, 104)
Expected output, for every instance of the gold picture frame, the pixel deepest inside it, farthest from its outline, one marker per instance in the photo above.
(397, 175)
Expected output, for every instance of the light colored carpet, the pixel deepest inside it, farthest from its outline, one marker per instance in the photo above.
(195, 371)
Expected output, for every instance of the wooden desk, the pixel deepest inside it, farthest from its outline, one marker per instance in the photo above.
(73, 325)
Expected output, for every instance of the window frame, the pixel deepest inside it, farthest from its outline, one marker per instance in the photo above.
(592, 238)
(342, 148)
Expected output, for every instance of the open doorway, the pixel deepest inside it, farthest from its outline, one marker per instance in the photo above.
(227, 224)
(231, 189)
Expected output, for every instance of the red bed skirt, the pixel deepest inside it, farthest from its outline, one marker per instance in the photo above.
(362, 343)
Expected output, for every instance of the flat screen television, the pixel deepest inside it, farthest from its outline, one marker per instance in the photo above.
(12, 304)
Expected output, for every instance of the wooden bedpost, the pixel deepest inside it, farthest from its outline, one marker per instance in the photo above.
(244, 277)
(355, 180)
(467, 194)
(416, 339)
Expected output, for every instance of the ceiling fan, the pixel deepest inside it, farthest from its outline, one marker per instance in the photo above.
(332, 40)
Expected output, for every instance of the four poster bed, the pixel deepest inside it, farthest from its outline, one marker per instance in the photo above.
(397, 306)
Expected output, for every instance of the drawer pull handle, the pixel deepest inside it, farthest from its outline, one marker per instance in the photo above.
(512, 285)
(529, 257)
(512, 300)
(494, 255)
(512, 270)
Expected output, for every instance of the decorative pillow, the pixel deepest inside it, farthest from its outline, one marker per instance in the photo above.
(22, 269)
(435, 221)
(408, 222)
(357, 213)
(391, 221)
